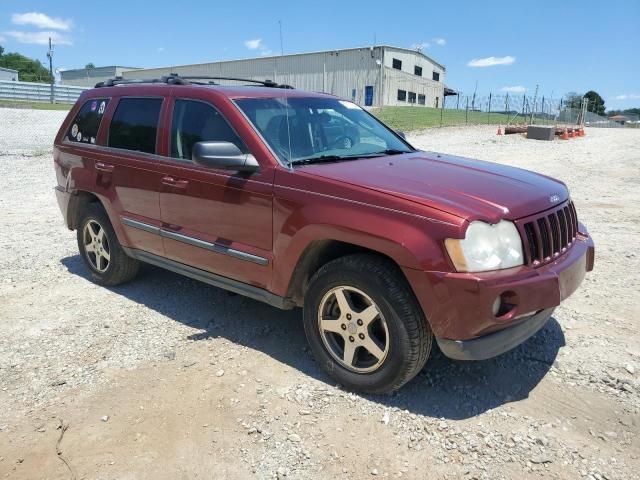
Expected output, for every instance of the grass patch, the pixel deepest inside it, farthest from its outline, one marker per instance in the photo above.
(35, 105)
(414, 118)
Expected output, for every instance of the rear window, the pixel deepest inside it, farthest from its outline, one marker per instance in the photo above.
(84, 128)
(135, 124)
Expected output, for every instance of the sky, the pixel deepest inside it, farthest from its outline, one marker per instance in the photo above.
(562, 46)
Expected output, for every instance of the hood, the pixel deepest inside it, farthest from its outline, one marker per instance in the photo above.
(471, 189)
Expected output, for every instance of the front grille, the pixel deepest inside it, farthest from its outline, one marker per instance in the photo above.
(549, 234)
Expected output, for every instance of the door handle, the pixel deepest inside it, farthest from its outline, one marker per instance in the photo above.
(172, 182)
(104, 167)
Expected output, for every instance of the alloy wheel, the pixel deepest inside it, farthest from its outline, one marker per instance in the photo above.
(353, 329)
(96, 246)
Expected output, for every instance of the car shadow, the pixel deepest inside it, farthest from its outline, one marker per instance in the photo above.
(445, 388)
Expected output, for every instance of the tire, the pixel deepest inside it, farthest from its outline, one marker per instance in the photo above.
(101, 243)
(392, 319)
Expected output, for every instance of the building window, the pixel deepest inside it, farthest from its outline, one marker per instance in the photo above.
(436, 76)
(397, 64)
(412, 97)
(437, 101)
(417, 70)
(422, 100)
(402, 95)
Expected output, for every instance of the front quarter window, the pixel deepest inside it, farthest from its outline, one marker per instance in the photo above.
(300, 129)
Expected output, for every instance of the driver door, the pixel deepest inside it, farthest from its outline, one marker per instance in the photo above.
(215, 220)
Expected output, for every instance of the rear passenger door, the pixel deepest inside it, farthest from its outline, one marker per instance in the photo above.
(216, 220)
(128, 170)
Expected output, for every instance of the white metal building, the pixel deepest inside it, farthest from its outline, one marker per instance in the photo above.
(8, 75)
(369, 76)
(88, 77)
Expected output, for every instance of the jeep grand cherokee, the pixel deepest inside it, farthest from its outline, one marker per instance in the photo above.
(303, 199)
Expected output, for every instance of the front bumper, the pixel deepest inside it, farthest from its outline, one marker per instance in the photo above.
(495, 343)
(459, 306)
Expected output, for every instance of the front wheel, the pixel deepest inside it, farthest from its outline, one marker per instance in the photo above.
(364, 324)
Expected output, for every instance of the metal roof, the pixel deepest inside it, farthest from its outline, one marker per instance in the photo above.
(336, 50)
(8, 70)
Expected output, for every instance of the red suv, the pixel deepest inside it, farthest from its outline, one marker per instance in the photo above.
(304, 199)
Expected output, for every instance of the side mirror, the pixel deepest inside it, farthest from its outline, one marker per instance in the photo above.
(223, 155)
(401, 133)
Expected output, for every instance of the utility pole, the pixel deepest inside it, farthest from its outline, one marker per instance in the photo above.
(50, 57)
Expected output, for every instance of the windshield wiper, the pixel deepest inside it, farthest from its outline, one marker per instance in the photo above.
(338, 158)
(325, 159)
(390, 151)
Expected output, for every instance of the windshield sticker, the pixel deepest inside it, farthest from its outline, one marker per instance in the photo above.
(94, 105)
(349, 105)
(74, 130)
(79, 137)
(101, 109)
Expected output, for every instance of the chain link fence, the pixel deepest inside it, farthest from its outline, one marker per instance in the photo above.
(501, 109)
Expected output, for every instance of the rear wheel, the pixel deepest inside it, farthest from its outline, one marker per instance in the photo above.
(364, 324)
(103, 255)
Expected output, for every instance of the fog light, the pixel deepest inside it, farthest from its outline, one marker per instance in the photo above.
(495, 308)
(505, 304)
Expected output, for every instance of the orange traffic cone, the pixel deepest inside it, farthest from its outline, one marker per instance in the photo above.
(565, 135)
(571, 135)
(581, 131)
(499, 130)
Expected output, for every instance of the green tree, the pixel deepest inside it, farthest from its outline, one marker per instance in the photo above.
(29, 70)
(89, 66)
(596, 102)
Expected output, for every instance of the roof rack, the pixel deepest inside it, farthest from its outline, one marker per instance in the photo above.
(175, 79)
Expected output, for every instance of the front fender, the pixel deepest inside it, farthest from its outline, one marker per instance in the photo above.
(410, 241)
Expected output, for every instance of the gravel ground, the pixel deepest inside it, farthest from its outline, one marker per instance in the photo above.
(169, 378)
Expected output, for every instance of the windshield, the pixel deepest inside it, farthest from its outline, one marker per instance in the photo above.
(314, 128)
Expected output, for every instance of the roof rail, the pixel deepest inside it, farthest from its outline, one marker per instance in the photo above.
(264, 83)
(175, 79)
(172, 79)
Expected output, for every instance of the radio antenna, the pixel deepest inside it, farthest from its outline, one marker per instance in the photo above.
(286, 102)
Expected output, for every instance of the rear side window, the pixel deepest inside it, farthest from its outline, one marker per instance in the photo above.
(198, 122)
(135, 124)
(84, 128)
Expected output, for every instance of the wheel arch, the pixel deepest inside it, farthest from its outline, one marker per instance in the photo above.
(319, 253)
(78, 201)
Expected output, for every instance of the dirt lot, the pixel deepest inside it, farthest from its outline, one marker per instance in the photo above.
(167, 378)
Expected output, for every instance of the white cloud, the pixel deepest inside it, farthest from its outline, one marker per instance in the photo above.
(254, 44)
(2, 39)
(420, 46)
(628, 96)
(39, 38)
(514, 89)
(491, 61)
(160, 49)
(440, 41)
(40, 20)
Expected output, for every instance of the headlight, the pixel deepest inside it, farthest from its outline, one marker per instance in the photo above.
(486, 247)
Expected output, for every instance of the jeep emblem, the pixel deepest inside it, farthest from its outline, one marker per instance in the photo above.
(554, 198)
